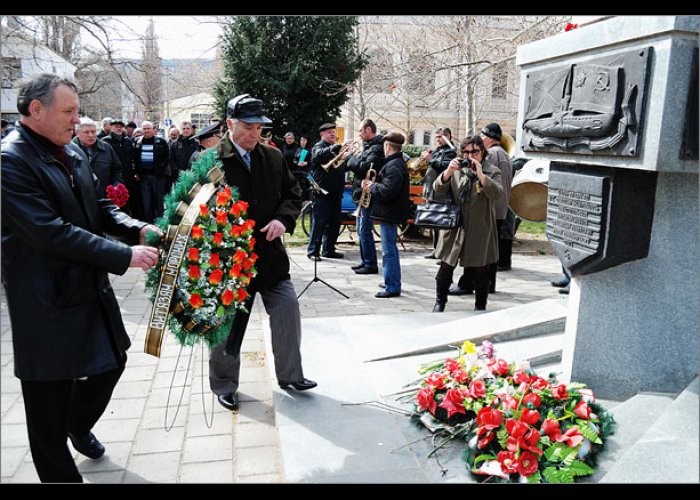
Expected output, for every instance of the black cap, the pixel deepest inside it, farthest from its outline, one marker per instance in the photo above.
(117, 121)
(247, 108)
(492, 130)
(131, 124)
(208, 131)
(326, 126)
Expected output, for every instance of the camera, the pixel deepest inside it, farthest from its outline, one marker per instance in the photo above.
(469, 165)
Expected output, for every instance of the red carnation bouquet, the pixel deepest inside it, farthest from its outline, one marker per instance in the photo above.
(118, 194)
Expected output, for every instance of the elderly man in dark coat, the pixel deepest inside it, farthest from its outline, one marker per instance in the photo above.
(67, 332)
(274, 202)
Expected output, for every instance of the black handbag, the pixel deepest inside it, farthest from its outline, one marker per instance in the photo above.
(438, 215)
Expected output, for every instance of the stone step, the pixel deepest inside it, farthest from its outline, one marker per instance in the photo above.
(665, 452)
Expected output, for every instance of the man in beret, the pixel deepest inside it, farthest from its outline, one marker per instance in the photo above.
(390, 206)
(274, 202)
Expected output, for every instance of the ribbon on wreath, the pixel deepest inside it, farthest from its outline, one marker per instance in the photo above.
(177, 236)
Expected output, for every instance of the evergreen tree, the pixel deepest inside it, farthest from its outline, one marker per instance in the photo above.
(301, 66)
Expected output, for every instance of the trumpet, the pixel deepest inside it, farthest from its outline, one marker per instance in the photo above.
(336, 161)
(365, 197)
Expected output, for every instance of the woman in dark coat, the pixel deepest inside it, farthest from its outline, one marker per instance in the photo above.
(474, 245)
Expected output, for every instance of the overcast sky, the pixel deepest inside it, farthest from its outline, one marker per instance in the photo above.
(179, 37)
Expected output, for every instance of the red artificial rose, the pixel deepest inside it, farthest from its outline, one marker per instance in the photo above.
(551, 428)
(507, 461)
(214, 260)
(515, 427)
(221, 218)
(216, 276)
(227, 190)
(235, 210)
(235, 271)
(530, 417)
(520, 377)
(253, 255)
(538, 383)
(217, 239)
(461, 376)
(241, 295)
(197, 233)
(193, 255)
(527, 464)
(236, 231)
(453, 402)
(488, 419)
(498, 366)
(426, 400)
(222, 198)
(435, 380)
(477, 389)
(530, 440)
(194, 273)
(247, 264)
(559, 392)
(509, 402)
(452, 365)
(572, 437)
(239, 257)
(243, 205)
(582, 410)
(227, 297)
(204, 211)
(484, 441)
(533, 398)
(196, 300)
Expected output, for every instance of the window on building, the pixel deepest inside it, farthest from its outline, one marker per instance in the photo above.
(11, 71)
(499, 81)
(378, 77)
(420, 79)
(200, 120)
(427, 137)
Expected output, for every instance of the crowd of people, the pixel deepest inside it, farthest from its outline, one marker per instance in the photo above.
(56, 256)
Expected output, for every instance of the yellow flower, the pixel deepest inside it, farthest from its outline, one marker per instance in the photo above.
(468, 347)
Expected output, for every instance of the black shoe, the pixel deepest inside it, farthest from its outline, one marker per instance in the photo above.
(439, 307)
(564, 291)
(381, 285)
(229, 401)
(431, 255)
(477, 308)
(456, 290)
(367, 270)
(359, 266)
(303, 385)
(314, 257)
(561, 283)
(333, 255)
(386, 295)
(87, 445)
(503, 268)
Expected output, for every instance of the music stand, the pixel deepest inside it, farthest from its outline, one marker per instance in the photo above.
(318, 189)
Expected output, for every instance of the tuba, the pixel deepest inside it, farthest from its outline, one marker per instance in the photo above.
(508, 143)
(528, 192)
(365, 197)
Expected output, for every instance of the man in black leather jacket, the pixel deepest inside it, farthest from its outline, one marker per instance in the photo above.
(103, 159)
(372, 156)
(67, 332)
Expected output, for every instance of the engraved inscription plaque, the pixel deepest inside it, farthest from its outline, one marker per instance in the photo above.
(588, 107)
(598, 217)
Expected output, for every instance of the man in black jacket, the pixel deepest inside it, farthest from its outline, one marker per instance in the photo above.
(181, 150)
(103, 159)
(152, 167)
(372, 156)
(274, 202)
(325, 224)
(67, 332)
(124, 147)
(390, 205)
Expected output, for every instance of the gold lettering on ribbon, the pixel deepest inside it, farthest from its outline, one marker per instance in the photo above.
(171, 269)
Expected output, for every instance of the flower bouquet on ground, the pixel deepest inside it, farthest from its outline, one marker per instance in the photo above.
(209, 257)
(518, 427)
(118, 194)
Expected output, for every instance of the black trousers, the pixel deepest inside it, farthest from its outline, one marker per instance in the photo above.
(325, 225)
(477, 276)
(56, 407)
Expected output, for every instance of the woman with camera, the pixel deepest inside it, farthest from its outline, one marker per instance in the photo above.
(475, 185)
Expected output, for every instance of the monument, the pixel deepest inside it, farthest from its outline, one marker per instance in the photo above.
(613, 106)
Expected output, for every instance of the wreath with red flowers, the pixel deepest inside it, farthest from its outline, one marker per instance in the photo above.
(218, 261)
(518, 426)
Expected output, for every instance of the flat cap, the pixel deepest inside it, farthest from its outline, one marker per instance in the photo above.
(326, 126)
(394, 137)
(247, 109)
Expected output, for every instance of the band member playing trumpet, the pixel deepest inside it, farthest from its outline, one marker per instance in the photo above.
(372, 155)
(328, 170)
